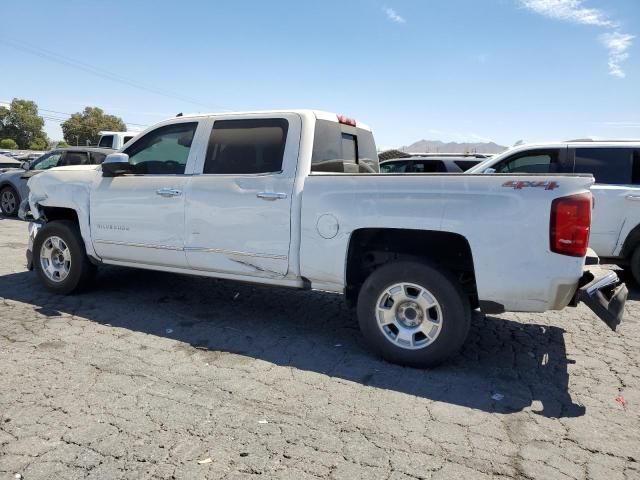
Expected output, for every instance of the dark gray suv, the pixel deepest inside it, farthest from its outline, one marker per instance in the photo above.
(13, 182)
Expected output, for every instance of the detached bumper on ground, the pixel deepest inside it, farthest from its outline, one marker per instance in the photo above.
(601, 290)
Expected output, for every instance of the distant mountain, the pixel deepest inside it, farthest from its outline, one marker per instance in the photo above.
(436, 146)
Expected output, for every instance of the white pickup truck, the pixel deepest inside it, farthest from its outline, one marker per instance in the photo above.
(615, 165)
(294, 199)
(114, 140)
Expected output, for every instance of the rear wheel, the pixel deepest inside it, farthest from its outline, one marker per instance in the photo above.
(9, 201)
(60, 259)
(635, 265)
(413, 314)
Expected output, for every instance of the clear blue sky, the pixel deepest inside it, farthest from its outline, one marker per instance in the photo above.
(437, 69)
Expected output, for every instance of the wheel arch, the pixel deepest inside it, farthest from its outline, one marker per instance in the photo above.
(370, 248)
(73, 213)
(631, 242)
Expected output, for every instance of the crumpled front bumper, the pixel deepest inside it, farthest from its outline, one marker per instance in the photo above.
(34, 228)
(601, 290)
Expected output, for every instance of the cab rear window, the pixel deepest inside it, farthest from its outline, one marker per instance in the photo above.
(343, 149)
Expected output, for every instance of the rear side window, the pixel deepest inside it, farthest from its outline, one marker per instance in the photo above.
(126, 139)
(106, 141)
(534, 161)
(246, 146)
(74, 158)
(343, 148)
(636, 168)
(429, 166)
(607, 165)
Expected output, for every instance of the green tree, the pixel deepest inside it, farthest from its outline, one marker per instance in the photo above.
(9, 143)
(62, 144)
(39, 144)
(22, 123)
(86, 125)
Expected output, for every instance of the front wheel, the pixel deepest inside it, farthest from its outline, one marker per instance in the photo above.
(60, 259)
(413, 314)
(9, 201)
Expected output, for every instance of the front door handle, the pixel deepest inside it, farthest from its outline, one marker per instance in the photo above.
(168, 192)
(635, 198)
(271, 196)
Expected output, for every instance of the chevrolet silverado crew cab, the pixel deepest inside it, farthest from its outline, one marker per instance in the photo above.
(615, 165)
(295, 199)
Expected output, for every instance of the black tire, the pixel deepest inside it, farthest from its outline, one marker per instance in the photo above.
(11, 209)
(635, 265)
(81, 270)
(454, 309)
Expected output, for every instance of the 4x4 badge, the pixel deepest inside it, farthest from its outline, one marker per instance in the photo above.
(520, 184)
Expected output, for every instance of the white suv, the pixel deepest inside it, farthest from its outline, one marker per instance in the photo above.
(615, 165)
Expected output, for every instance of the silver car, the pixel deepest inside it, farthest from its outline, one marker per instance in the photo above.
(13, 182)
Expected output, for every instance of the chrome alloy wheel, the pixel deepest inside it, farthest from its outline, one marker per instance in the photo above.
(409, 316)
(55, 259)
(8, 200)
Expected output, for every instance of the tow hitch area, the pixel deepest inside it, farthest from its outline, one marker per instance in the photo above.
(603, 293)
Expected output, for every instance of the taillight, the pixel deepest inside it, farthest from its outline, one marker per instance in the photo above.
(570, 224)
(346, 120)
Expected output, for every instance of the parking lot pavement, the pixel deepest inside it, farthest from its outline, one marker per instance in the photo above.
(152, 375)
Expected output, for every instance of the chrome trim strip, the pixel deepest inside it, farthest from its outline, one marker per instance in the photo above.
(234, 252)
(194, 249)
(142, 245)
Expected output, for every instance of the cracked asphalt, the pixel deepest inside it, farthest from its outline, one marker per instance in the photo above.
(154, 376)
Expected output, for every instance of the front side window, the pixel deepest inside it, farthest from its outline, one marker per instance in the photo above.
(106, 141)
(163, 151)
(537, 161)
(74, 158)
(394, 167)
(607, 165)
(47, 161)
(246, 146)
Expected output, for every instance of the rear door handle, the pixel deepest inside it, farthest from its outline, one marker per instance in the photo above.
(635, 198)
(168, 192)
(271, 196)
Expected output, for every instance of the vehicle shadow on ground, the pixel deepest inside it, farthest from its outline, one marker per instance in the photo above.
(504, 367)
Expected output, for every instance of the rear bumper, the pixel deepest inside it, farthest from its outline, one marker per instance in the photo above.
(601, 290)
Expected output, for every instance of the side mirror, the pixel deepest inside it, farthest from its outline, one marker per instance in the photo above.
(489, 170)
(116, 164)
(25, 165)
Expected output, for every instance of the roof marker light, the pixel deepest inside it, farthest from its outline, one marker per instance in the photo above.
(346, 120)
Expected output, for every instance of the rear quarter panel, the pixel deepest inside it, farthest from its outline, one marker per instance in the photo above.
(507, 228)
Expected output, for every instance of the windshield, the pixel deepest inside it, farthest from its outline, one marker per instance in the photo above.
(46, 161)
(482, 166)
